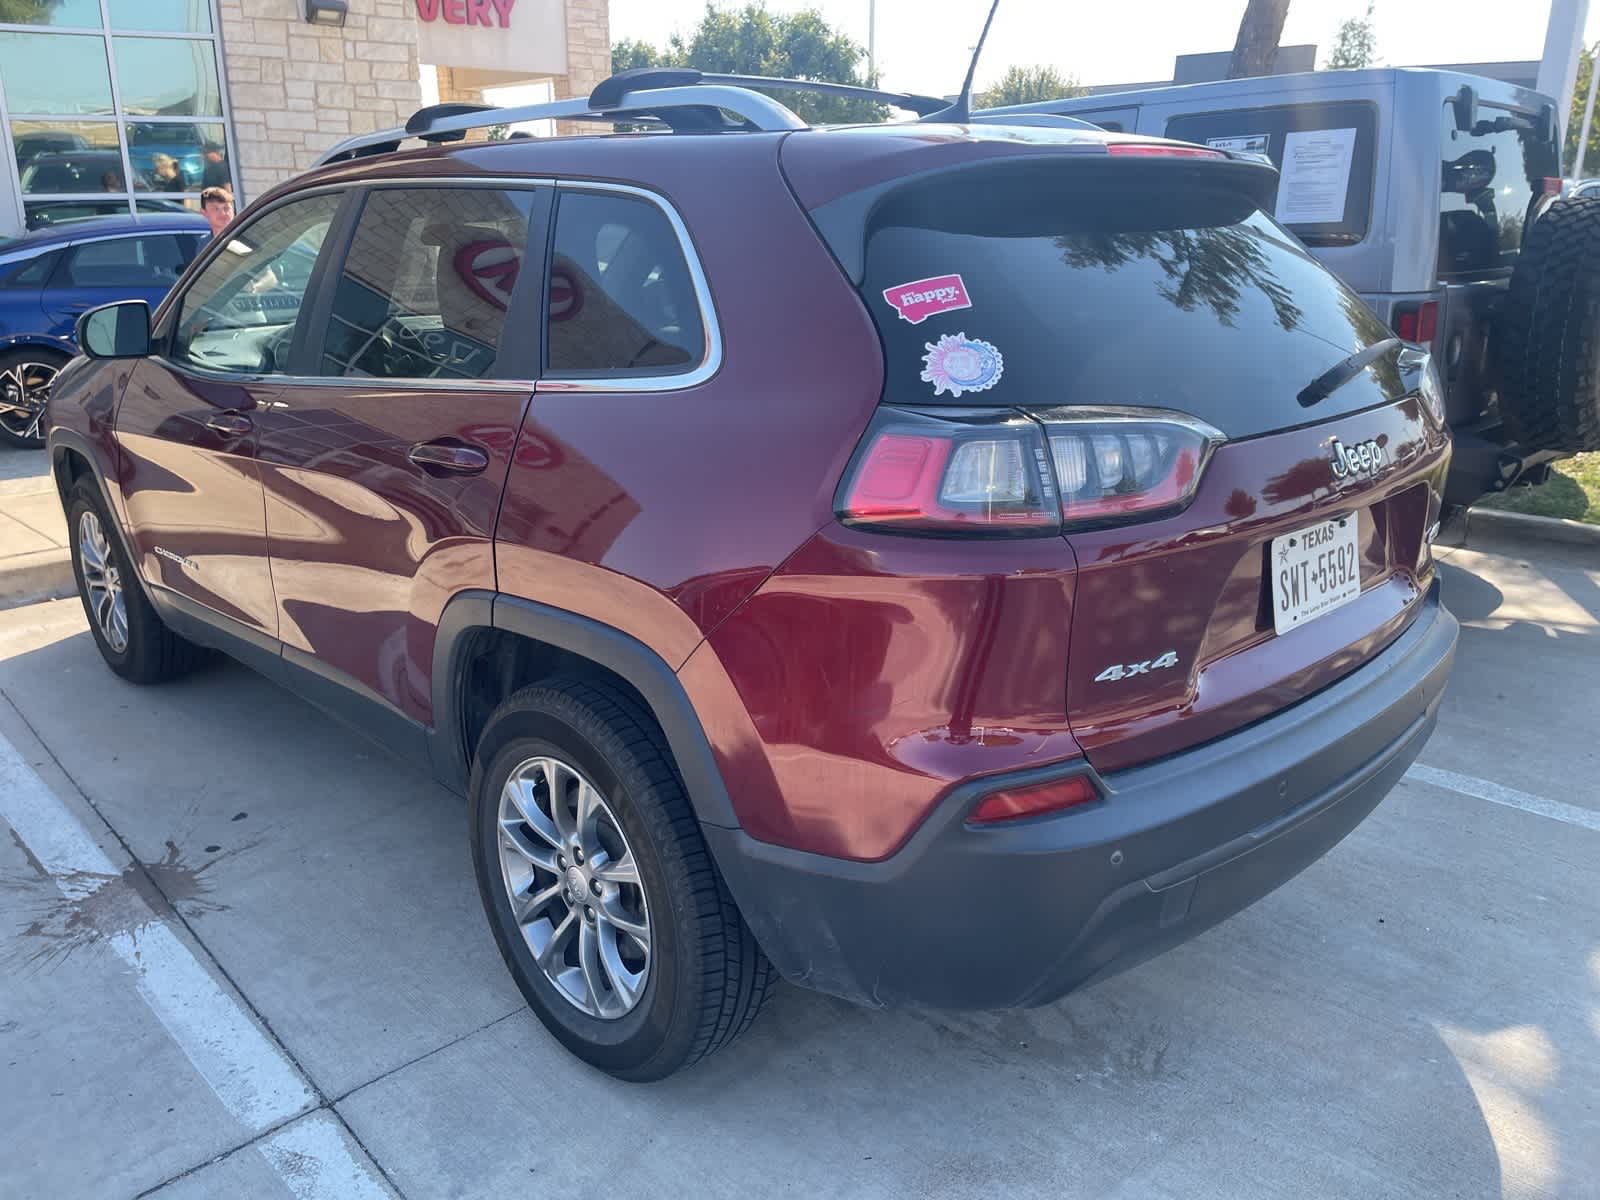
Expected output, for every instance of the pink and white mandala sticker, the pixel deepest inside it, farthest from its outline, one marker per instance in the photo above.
(957, 364)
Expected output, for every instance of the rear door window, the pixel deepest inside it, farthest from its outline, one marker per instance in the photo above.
(622, 300)
(1082, 291)
(131, 262)
(1325, 191)
(1489, 177)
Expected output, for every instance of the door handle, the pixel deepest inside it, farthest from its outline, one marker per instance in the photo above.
(230, 424)
(448, 456)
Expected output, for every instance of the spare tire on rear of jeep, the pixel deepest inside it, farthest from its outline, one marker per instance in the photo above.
(1550, 332)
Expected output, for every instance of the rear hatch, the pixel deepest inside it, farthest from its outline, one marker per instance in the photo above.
(1159, 332)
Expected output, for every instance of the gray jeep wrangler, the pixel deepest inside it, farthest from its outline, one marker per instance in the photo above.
(1434, 195)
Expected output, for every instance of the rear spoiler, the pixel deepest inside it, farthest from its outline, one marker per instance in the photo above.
(843, 222)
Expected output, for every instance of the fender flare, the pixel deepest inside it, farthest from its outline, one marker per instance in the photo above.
(625, 656)
(62, 440)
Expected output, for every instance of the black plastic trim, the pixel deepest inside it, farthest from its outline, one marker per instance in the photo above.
(448, 751)
(650, 676)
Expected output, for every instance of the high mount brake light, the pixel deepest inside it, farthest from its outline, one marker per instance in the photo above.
(1004, 472)
(1160, 150)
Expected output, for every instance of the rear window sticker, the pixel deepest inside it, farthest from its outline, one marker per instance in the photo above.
(957, 364)
(923, 298)
(1247, 143)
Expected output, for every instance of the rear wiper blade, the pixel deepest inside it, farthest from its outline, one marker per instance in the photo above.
(1341, 373)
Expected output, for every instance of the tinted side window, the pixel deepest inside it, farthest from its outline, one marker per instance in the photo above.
(239, 313)
(1325, 146)
(622, 301)
(133, 262)
(1486, 188)
(31, 274)
(424, 291)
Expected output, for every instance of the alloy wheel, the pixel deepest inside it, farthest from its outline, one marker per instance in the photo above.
(24, 389)
(574, 887)
(102, 582)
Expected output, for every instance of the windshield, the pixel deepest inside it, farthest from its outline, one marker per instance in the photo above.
(1162, 298)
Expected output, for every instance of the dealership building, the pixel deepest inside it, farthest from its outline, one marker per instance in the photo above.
(135, 106)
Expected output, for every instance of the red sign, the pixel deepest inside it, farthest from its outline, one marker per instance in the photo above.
(467, 12)
(566, 297)
(922, 298)
(489, 268)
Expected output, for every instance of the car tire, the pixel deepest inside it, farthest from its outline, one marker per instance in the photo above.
(1550, 351)
(644, 1007)
(31, 371)
(133, 640)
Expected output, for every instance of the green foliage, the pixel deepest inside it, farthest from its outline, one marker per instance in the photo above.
(25, 12)
(1028, 85)
(753, 41)
(1355, 45)
(1580, 93)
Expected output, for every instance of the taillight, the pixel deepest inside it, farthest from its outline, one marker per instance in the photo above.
(998, 472)
(1161, 150)
(1015, 803)
(957, 471)
(1116, 465)
(1418, 323)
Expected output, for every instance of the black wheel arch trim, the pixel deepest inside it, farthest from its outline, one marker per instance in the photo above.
(618, 652)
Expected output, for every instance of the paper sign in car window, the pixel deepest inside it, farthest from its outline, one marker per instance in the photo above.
(1315, 176)
(1245, 143)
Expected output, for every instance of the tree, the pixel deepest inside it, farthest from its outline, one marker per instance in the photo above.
(1355, 44)
(1027, 85)
(1255, 50)
(1580, 94)
(753, 41)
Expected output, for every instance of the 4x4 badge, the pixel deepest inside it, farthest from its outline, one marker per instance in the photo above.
(1361, 459)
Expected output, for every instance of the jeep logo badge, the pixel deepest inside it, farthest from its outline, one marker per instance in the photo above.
(1361, 459)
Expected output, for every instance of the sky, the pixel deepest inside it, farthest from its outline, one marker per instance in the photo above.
(924, 45)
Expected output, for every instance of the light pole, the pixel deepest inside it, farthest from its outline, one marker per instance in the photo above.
(872, 42)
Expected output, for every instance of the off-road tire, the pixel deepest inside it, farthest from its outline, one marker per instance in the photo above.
(154, 653)
(708, 979)
(1550, 348)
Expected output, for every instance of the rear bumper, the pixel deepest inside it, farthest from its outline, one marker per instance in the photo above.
(1020, 914)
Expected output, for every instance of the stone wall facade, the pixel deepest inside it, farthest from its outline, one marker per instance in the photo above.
(298, 88)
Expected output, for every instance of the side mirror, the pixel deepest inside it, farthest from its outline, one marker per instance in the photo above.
(120, 330)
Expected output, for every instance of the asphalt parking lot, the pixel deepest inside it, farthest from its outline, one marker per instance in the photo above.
(242, 955)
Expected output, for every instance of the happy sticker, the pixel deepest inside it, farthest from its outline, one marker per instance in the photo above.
(923, 298)
(957, 363)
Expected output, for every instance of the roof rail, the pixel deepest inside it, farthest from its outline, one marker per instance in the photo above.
(685, 108)
(681, 98)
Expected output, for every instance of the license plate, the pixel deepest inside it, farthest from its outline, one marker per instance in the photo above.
(1314, 571)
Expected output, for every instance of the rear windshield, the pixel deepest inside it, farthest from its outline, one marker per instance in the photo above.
(1324, 152)
(1150, 294)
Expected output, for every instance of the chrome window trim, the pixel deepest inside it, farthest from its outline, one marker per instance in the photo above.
(710, 361)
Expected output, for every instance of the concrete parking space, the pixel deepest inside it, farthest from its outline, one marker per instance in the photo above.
(244, 956)
(34, 557)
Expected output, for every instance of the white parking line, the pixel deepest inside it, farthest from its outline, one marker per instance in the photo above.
(252, 1077)
(1483, 789)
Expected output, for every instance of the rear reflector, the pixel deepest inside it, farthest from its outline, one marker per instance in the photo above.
(1418, 323)
(1161, 150)
(1030, 802)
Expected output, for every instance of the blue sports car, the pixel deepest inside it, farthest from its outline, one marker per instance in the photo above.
(50, 277)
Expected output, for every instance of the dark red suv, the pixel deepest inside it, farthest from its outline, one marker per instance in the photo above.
(942, 563)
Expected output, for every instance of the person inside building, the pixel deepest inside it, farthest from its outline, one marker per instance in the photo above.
(216, 166)
(217, 204)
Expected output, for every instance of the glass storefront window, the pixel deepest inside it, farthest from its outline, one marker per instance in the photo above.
(176, 78)
(179, 156)
(68, 156)
(57, 73)
(168, 204)
(59, 212)
(159, 16)
(81, 14)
